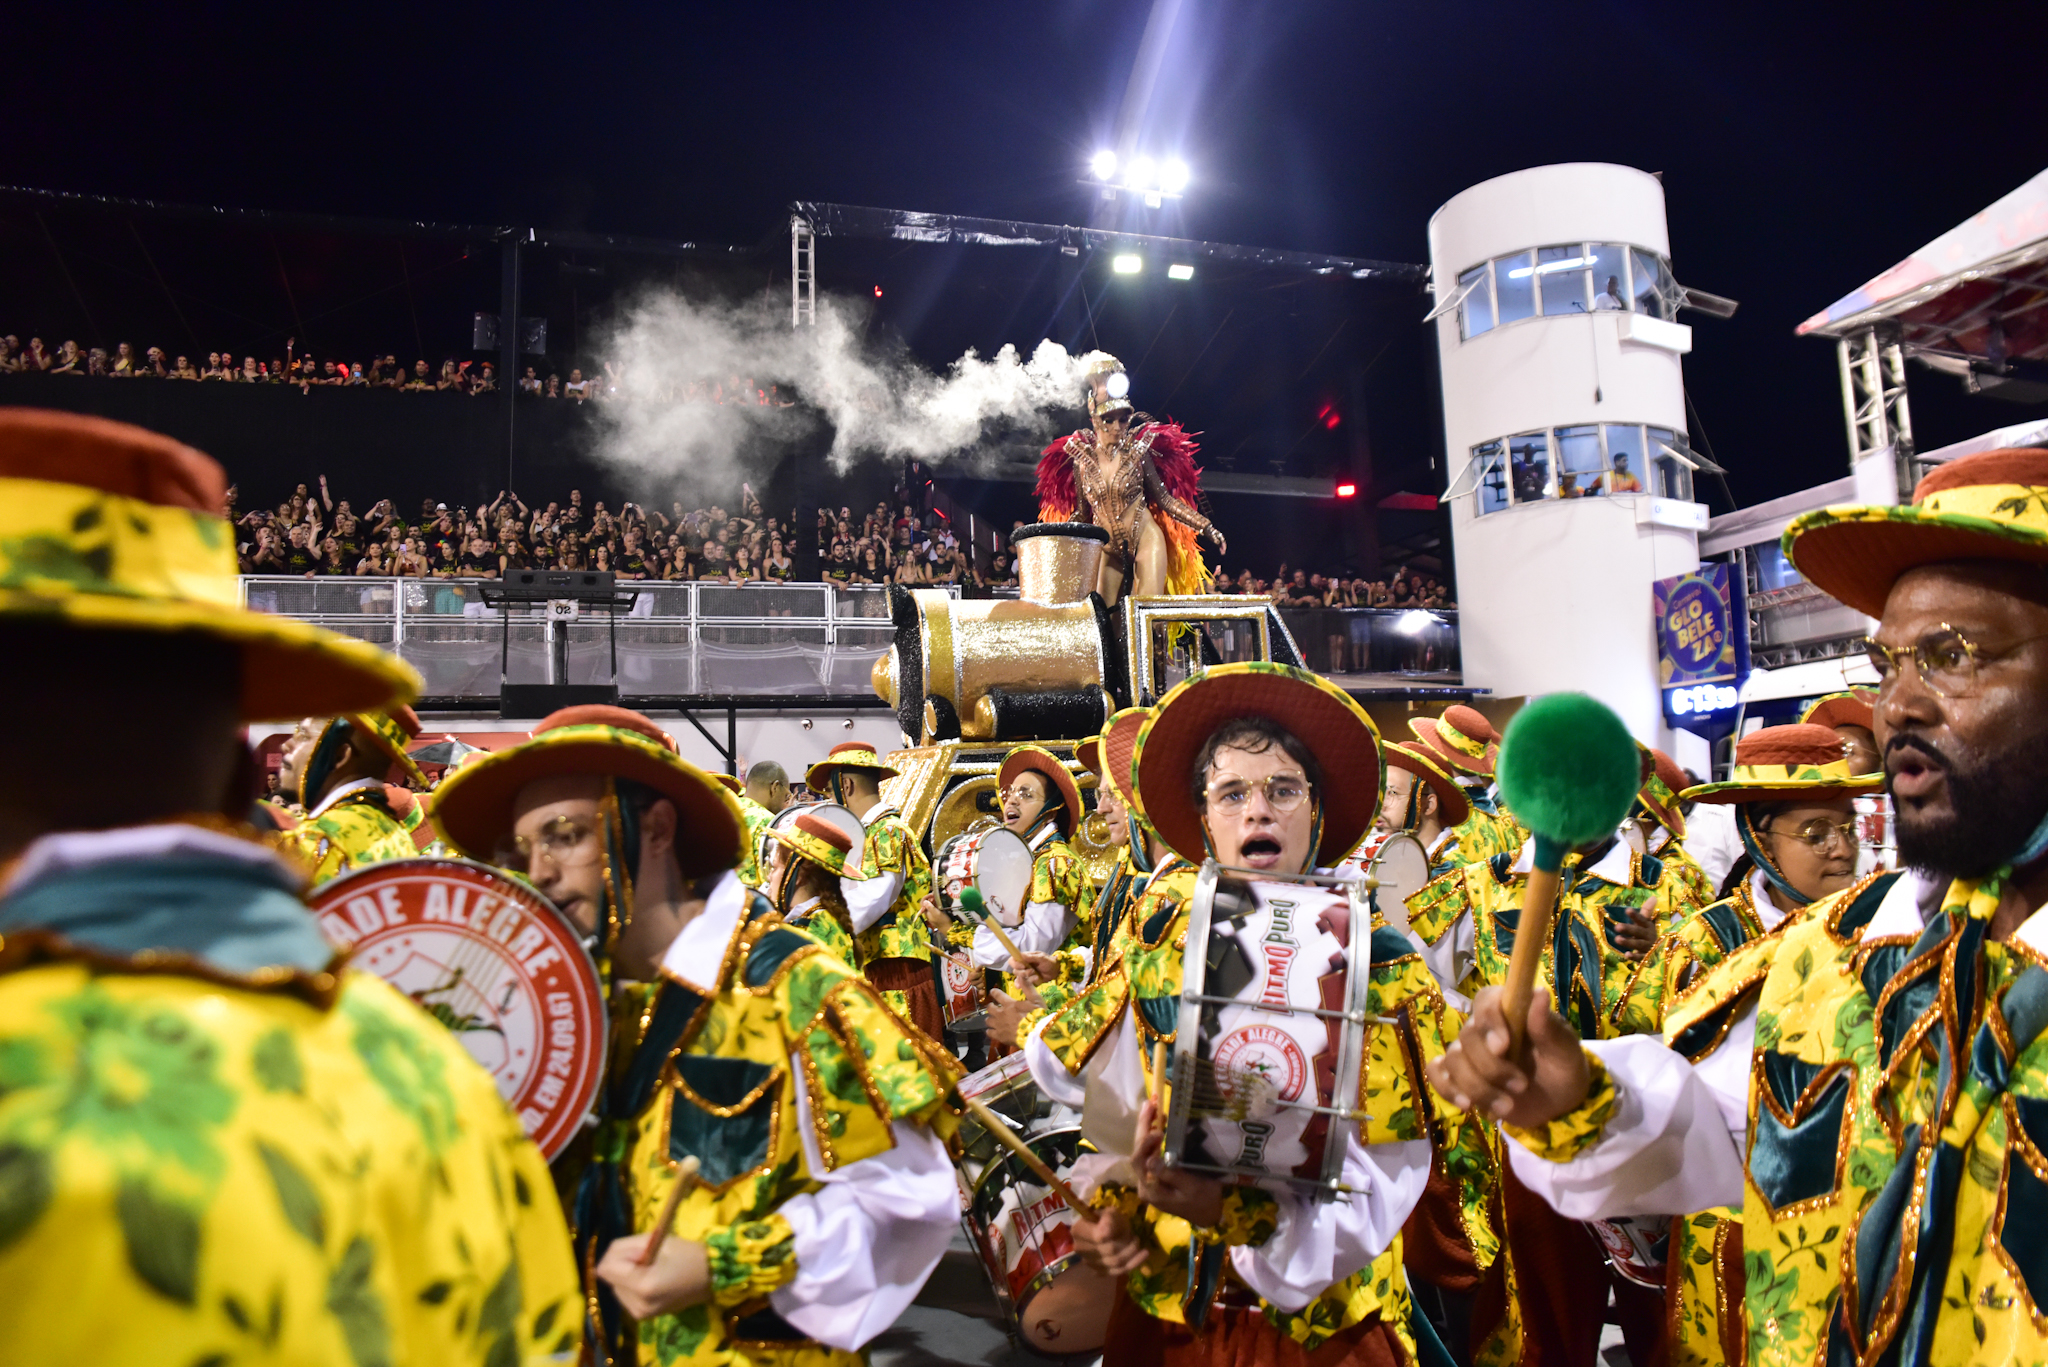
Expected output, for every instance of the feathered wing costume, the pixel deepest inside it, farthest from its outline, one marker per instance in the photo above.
(1171, 504)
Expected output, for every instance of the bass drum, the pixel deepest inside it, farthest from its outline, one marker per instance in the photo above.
(997, 861)
(1056, 1304)
(1636, 1247)
(491, 959)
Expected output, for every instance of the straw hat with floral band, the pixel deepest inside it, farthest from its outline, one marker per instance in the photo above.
(1659, 796)
(731, 783)
(1783, 764)
(637, 761)
(1414, 757)
(1334, 728)
(1990, 506)
(386, 730)
(1462, 738)
(853, 754)
(1063, 795)
(1856, 707)
(108, 527)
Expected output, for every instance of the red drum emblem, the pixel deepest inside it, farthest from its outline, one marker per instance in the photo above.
(492, 960)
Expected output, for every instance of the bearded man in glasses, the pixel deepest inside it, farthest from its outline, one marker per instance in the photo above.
(1870, 1086)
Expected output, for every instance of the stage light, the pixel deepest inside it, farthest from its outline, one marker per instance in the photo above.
(1415, 621)
(1174, 177)
(1117, 385)
(1180, 272)
(1127, 263)
(878, 291)
(1347, 490)
(1103, 164)
(1141, 173)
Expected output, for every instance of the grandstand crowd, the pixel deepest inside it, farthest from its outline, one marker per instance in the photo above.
(379, 372)
(313, 533)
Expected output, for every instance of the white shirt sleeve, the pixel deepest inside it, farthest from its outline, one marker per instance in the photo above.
(1318, 1244)
(868, 898)
(1054, 1081)
(1045, 928)
(1450, 958)
(867, 1240)
(1675, 1143)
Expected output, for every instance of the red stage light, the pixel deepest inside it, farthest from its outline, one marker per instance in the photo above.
(1347, 490)
(878, 291)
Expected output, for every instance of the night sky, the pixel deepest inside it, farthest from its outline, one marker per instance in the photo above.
(1804, 147)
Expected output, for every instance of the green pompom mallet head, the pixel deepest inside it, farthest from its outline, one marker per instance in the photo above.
(1569, 771)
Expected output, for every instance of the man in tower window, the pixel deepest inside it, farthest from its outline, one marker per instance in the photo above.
(1621, 480)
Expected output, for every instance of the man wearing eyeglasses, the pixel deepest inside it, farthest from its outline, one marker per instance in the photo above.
(1870, 1085)
(823, 1196)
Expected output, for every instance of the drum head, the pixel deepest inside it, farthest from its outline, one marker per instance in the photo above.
(1401, 867)
(1002, 870)
(493, 961)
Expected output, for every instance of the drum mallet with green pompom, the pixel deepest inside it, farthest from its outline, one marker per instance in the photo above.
(1569, 771)
(972, 903)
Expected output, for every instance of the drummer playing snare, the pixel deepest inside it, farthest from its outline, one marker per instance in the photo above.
(1232, 767)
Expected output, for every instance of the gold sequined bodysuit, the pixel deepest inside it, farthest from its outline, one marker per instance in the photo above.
(1119, 487)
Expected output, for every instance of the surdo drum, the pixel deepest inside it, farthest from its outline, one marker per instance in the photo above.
(492, 960)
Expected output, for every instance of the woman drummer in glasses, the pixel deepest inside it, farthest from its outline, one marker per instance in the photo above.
(1792, 791)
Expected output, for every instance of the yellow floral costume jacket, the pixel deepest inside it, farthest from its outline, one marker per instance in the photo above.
(712, 1078)
(1583, 968)
(751, 871)
(1898, 1102)
(1146, 979)
(299, 1169)
(1705, 1316)
(901, 933)
(356, 829)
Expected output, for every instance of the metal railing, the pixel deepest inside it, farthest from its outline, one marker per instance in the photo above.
(684, 639)
(1410, 642)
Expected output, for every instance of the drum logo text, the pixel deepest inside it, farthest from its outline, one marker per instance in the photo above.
(1280, 950)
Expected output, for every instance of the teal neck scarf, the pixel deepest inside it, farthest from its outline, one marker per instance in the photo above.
(237, 916)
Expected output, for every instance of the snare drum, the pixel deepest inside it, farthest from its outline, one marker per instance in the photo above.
(965, 1013)
(995, 860)
(1006, 1088)
(1270, 1038)
(1398, 867)
(1637, 1246)
(1055, 1304)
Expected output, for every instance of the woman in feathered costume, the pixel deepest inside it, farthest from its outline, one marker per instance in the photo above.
(1137, 480)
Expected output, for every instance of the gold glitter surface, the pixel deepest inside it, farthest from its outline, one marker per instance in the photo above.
(1058, 569)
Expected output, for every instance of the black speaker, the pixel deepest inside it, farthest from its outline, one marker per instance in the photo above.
(525, 702)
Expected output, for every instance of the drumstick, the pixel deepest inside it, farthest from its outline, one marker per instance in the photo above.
(686, 1177)
(970, 898)
(1005, 1136)
(1159, 1074)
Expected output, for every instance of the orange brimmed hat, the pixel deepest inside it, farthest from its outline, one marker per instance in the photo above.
(389, 730)
(828, 835)
(1857, 707)
(1116, 746)
(473, 806)
(731, 783)
(1322, 716)
(108, 527)
(1783, 763)
(854, 754)
(1991, 506)
(1660, 791)
(1039, 760)
(1417, 759)
(1462, 738)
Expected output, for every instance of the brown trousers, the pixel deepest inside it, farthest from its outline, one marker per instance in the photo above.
(1236, 1337)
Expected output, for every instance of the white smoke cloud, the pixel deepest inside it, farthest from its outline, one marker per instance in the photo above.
(877, 405)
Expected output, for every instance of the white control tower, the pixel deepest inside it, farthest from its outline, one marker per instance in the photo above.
(1570, 477)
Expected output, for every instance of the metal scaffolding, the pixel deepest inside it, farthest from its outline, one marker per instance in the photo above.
(1874, 400)
(803, 273)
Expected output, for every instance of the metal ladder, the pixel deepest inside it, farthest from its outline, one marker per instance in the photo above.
(803, 273)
